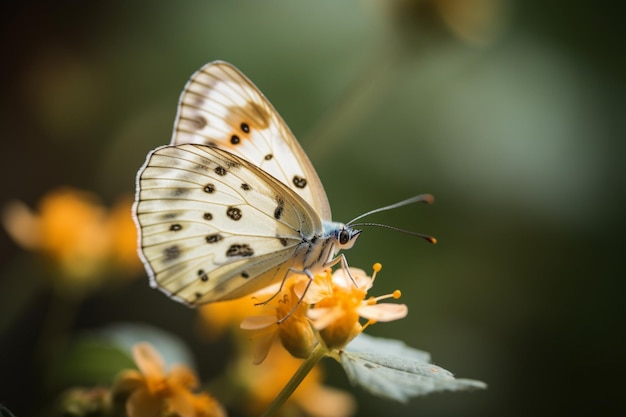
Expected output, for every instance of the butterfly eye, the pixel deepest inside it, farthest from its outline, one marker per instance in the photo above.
(344, 237)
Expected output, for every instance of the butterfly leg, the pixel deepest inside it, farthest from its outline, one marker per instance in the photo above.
(339, 259)
(344, 265)
(306, 272)
(309, 275)
(291, 270)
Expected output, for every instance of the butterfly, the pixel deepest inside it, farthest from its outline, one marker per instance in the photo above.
(233, 204)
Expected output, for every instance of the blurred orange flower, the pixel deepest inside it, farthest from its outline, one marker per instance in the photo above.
(218, 317)
(263, 382)
(154, 393)
(79, 235)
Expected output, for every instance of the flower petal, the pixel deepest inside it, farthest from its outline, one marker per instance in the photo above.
(207, 406)
(323, 317)
(22, 224)
(342, 279)
(142, 404)
(182, 376)
(257, 322)
(383, 312)
(148, 360)
(129, 380)
(263, 345)
(181, 402)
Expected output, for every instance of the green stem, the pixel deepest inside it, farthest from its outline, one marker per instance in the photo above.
(318, 353)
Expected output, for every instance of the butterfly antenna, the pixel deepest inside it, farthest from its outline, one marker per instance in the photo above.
(422, 198)
(427, 238)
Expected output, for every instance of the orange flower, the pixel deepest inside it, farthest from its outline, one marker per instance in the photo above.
(336, 314)
(154, 393)
(313, 319)
(328, 311)
(288, 322)
(77, 233)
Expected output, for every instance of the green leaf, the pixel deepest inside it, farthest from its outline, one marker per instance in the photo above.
(96, 357)
(390, 369)
(88, 361)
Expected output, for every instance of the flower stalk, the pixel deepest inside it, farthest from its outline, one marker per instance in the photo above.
(319, 351)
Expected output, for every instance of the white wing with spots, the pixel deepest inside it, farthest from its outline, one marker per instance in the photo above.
(221, 107)
(216, 227)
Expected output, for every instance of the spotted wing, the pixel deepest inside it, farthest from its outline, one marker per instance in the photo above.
(214, 226)
(221, 107)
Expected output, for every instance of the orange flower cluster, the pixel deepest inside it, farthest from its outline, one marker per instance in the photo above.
(326, 310)
(153, 392)
(82, 238)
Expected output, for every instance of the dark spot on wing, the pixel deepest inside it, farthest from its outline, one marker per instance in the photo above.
(214, 238)
(239, 250)
(234, 213)
(278, 212)
(203, 275)
(179, 191)
(299, 181)
(171, 253)
(199, 122)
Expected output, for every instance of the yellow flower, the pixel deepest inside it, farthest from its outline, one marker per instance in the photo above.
(336, 314)
(264, 381)
(151, 392)
(288, 322)
(79, 235)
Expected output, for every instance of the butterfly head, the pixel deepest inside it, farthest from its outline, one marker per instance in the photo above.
(346, 236)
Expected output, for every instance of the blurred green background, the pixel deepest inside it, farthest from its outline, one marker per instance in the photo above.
(511, 114)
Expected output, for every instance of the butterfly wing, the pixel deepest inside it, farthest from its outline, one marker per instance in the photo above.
(220, 106)
(214, 226)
